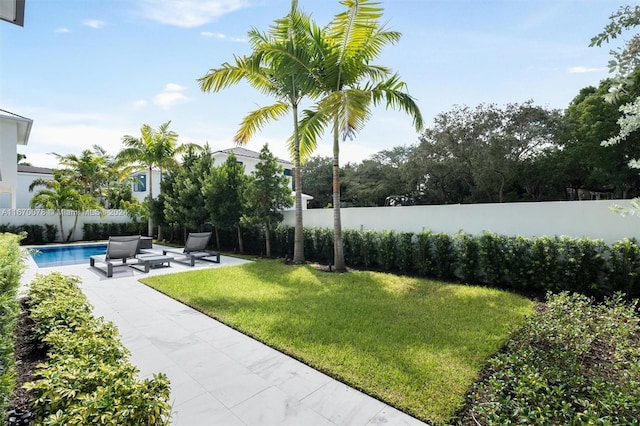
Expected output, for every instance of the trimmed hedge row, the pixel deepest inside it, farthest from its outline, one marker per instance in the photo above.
(102, 231)
(33, 234)
(11, 267)
(541, 264)
(87, 378)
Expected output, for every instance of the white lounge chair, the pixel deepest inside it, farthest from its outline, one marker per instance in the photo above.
(195, 249)
(119, 250)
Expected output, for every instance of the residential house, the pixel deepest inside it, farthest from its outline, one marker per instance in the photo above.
(249, 159)
(246, 157)
(14, 131)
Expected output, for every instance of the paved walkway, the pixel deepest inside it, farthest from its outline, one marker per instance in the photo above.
(218, 375)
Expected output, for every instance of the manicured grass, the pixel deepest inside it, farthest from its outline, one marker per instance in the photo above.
(413, 343)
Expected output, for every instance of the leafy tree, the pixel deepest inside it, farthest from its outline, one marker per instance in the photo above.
(589, 121)
(267, 194)
(281, 65)
(316, 180)
(184, 202)
(473, 155)
(625, 61)
(153, 149)
(60, 195)
(350, 85)
(372, 181)
(223, 190)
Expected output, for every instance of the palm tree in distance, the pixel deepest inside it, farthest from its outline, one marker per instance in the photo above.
(351, 86)
(61, 194)
(282, 65)
(153, 149)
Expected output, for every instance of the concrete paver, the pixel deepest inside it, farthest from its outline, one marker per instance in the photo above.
(218, 375)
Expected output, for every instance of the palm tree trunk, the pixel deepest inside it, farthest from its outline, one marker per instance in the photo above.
(338, 253)
(61, 228)
(298, 239)
(150, 223)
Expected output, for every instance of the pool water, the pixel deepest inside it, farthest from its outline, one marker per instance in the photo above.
(48, 256)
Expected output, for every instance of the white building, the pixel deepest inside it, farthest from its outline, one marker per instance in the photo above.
(249, 159)
(14, 131)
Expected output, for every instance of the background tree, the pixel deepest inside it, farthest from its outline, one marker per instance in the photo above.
(624, 63)
(224, 190)
(282, 64)
(153, 149)
(316, 180)
(184, 202)
(370, 182)
(589, 121)
(350, 85)
(88, 170)
(61, 194)
(267, 194)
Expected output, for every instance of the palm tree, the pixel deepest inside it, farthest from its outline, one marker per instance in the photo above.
(351, 86)
(281, 65)
(88, 169)
(60, 194)
(153, 149)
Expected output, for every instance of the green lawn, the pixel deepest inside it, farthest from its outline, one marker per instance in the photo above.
(414, 343)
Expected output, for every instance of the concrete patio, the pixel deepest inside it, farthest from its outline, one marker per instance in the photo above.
(218, 375)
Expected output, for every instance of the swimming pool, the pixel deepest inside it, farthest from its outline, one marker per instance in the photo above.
(49, 256)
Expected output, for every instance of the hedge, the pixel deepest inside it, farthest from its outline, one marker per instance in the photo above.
(11, 267)
(540, 264)
(33, 234)
(87, 378)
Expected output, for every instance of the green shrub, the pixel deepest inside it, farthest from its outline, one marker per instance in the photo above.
(424, 262)
(575, 362)
(467, 251)
(624, 268)
(87, 378)
(388, 250)
(11, 268)
(31, 234)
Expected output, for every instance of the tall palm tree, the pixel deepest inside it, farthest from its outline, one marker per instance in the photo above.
(282, 65)
(153, 149)
(351, 86)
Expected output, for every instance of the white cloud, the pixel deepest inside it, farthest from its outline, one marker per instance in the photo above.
(582, 70)
(222, 36)
(62, 30)
(189, 13)
(139, 103)
(170, 96)
(93, 23)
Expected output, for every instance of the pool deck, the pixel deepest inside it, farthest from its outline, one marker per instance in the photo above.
(218, 375)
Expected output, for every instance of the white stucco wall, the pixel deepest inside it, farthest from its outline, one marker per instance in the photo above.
(8, 163)
(23, 216)
(592, 219)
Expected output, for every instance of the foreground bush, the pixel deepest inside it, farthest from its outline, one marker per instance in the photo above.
(87, 378)
(575, 362)
(11, 267)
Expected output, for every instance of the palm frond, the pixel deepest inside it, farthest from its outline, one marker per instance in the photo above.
(256, 119)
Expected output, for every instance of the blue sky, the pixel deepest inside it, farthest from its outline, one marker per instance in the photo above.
(91, 71)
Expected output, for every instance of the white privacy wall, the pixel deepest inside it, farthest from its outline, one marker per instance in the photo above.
(49, 217)
(592, 219)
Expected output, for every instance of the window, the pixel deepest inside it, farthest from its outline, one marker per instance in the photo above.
(140, 184)
(287, 172)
